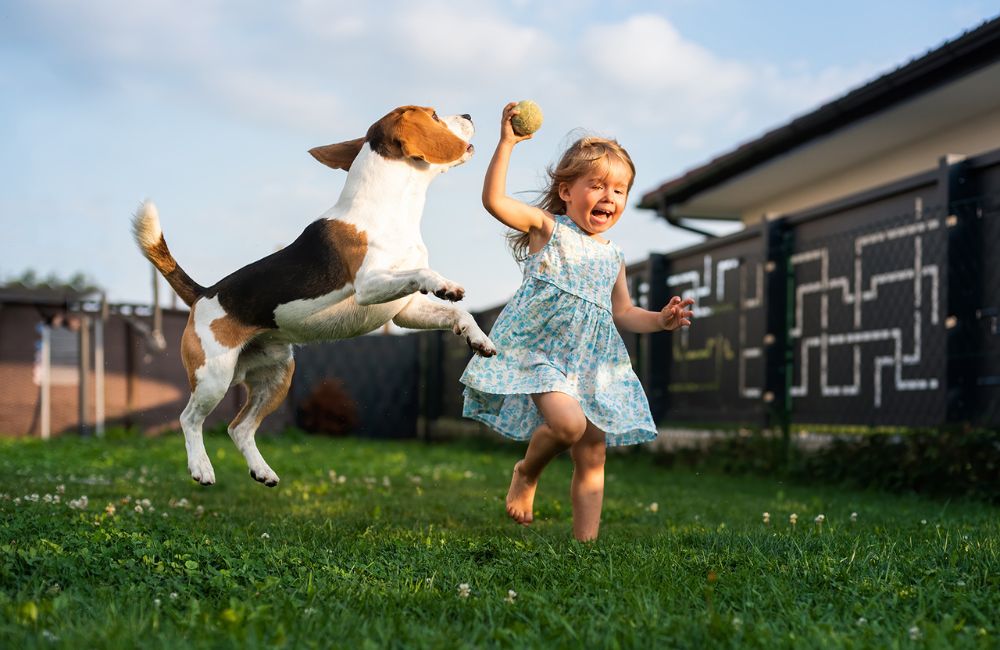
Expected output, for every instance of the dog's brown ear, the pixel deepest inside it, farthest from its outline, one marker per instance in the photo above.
(340, 155)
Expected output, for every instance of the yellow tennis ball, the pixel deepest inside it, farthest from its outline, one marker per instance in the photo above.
(528, 119)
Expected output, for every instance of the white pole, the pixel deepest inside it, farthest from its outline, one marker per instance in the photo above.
(46, 405)
(99, 376)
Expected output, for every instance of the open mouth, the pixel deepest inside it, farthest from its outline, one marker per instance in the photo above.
(602, 215)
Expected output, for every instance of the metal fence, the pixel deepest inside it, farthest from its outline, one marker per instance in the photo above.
(878, 310)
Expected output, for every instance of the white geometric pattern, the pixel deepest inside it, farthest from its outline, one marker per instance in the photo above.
(854, 292)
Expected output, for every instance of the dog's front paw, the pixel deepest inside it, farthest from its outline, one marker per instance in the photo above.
(433, 282)
(201, 469)
(482, 345)
(474, 336)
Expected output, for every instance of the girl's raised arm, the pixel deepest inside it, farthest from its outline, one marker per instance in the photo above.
(509, 211)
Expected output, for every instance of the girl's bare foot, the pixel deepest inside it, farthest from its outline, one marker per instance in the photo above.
(521, 496)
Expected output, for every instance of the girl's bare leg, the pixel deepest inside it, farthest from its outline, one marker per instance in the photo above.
(564, 425)
(587, 488)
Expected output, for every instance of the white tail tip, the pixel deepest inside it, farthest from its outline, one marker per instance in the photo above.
(146, 225)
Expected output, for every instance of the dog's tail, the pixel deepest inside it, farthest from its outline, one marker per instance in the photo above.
(149, 236)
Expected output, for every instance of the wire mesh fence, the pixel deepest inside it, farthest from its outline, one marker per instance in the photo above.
(878, 310)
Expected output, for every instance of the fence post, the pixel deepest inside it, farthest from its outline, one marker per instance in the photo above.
(429, 362)
(657, 356)
(779, 289)
(965, 285)
(84, 381)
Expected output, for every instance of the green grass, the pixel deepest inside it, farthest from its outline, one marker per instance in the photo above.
(376, 560)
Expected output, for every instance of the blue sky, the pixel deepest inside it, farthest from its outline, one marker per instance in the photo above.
(209, 108)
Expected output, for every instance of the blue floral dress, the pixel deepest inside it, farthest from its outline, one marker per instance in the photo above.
(557, 334)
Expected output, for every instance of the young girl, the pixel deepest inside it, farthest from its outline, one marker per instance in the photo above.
(562, 376)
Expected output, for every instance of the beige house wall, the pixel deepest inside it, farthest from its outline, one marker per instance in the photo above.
(973, 137)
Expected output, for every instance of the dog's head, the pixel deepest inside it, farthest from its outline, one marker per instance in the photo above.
(413, 134)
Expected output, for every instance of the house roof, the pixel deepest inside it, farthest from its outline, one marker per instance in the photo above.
(17, 293)
(970, 52)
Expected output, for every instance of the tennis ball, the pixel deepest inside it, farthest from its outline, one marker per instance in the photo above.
(528, 119)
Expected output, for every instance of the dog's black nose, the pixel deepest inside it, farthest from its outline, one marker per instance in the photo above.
(467, 116)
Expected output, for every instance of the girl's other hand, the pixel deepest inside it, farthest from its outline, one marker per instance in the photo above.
(676, 313)
(507, 133)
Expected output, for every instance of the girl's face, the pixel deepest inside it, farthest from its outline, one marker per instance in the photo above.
(595, 201)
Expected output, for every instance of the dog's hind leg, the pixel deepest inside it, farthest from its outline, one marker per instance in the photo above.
(213, 380)
(267, 377)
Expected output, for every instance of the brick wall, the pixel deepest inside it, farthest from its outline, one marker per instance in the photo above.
(143, 388)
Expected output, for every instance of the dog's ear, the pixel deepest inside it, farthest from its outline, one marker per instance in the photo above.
(340, 155)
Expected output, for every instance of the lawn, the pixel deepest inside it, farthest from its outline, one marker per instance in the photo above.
(368, 544)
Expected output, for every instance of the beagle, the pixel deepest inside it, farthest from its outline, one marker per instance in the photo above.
(360, 265)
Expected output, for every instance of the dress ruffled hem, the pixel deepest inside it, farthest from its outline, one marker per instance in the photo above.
(489, 408)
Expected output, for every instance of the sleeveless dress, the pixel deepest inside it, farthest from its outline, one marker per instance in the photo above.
(557, 334)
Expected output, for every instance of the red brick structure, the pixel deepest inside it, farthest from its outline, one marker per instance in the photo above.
(143, 387)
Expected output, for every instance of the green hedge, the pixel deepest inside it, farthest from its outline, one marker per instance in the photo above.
(942, 464)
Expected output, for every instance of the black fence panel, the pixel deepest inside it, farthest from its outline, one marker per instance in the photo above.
(714, 370)
(868, 307)
(381, 374)
(982, 212)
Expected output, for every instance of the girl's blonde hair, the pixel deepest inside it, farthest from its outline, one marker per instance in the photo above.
(584, 156)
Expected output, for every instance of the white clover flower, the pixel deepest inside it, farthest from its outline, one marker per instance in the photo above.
(923, 522)
(820, 519)
(49, 636)
(308, 611)
(265, 536)
(199, 511)
(173, 595)
(654, 507)
(79, 504)
(61, 489)
(854, 517)
(915, 633)
(862, 621)
(464, 590)
(110, 509)
(386, 482)
(767, 517)
(47, 498)
(468, 473)
(341, 479)
(138, 508)
(144, 503)
(793, 519)
(17, 501)
(156, 602)
(511, 595)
